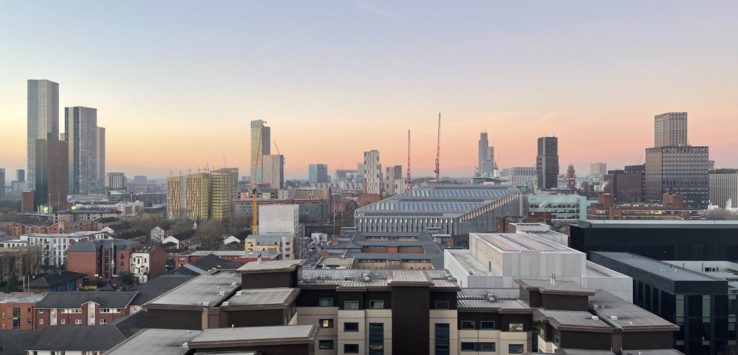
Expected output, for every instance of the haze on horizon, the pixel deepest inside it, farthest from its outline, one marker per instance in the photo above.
(176, 83)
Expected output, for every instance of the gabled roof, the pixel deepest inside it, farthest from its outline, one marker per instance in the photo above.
(99, 337)
(74, 299)
(93, 245)
(55, 279)
(132, 324)
(15, 342)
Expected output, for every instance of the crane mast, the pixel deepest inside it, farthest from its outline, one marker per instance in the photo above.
(438, 151)
(409, 182)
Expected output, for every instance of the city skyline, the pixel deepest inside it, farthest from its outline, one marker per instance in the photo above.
(380, 67)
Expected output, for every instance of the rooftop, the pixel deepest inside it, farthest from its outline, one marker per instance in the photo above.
(522, 243)
(556, 287)
(681, 224)
(116, 299)
(438, 201)
(271, 266)
(263, 297)
(659, 268)
(362, 279)
(158, 286)
(207, 290)
(100, 337)
(625, 315)
(223, 337)
(20, 297)
(469, 262)
(156, 341)
(93, 245)
(233, 253)
(574, 320)
(501, 300)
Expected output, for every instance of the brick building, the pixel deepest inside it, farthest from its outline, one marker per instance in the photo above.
(147, 262)
(18, 229)
(237, 256)
(82, 308)
(16, 310)
(101, 259)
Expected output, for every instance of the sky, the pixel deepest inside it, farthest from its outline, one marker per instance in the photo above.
(177, 82)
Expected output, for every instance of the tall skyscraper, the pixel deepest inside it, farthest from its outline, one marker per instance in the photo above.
(724, 187)
(318, 174)
(52, 176)
(486, 165)
(20, 175)
(223, 191)
(100, 155)
(547, 163)
(670, 129)
(273, 171)
(260, 146)
(674, 167)
(81, 132)
(188, 197)
(372, 172)
(42, 119)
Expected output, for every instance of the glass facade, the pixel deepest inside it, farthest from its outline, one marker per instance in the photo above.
(376, 338)
(442, 336)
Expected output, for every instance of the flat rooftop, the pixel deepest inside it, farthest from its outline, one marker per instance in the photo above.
(271, 266)
(263, 297)
(658, 224)
(575, 320)
(438, 201)
(521, 243)
(596, 270)
(21, 297)
(156, 341)
(363, 279)
(225, 337)
(557, 287)
(471, 265)
(207, 290)
(233, 253)
(501, 300)
(626, 315)
(655, 267)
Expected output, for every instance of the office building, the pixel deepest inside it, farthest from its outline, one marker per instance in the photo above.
(520, 176)
(456, 210)
(598, 169)
(486, 157)
(318, 174)
(261, 140)
(547, 163)
(223, 191)
(563, 209)
(628, 185)
(661, 240)
(100, 161)
(700, 304)
(81, 133)
(372, 172)
(670, 129)
(20, 175)
(188, 197)
(388, 251)
(724, 188)
(51, 174)
(116, 181)
(674, 167)
(273, 171)
(43, 119)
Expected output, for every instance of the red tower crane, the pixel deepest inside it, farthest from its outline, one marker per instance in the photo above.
(438, 151)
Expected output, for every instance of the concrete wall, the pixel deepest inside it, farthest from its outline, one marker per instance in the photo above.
(279, 219)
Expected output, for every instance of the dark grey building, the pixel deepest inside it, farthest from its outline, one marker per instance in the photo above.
(547, 163)
(318, 174)
(81, 132)
(699, 304)
(2, 183)
(43, 119)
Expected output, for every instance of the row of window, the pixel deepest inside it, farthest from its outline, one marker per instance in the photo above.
(350, 305)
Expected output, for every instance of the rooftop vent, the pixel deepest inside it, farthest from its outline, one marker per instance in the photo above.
(226, 304)
(595, 318)
(239, 293)
(205, 303)
(614, 317)
(221, 293)
(234, 283)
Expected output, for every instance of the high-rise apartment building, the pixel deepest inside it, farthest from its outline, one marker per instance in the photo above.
(116, 181)
(100, 155)
(43, 119)
(223, 191)
(394, 182)
(372, 172)
(598, 169)
(670, 129)
(188, 197)
(20, 175)
(724, 187)
(260, 146)
(674, 167)
(51, 174)
(486, 157)
(81, 133)
(273, 171)
(318, 174)
(547, 163)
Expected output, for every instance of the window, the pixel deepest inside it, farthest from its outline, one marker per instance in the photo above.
(441, 304)
(63, 322)
(376, 304)
(41, 322)
(487, 346)
(468, 346)
(350, 304)
(466, 324)
(487, 324)
(16, 318)
(77, 322)
(325, 344)
(516, 327)
(325, 302)
(326, 323)
(376, 338)
(103, 321)
(515, 348)
(442, 335)
(350, 348)
(350, 327)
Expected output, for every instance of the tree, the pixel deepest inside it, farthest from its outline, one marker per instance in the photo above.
(126, 278)
(13, 284)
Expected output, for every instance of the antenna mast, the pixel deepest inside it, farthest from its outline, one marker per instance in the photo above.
(438, 151)
(409, 182)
